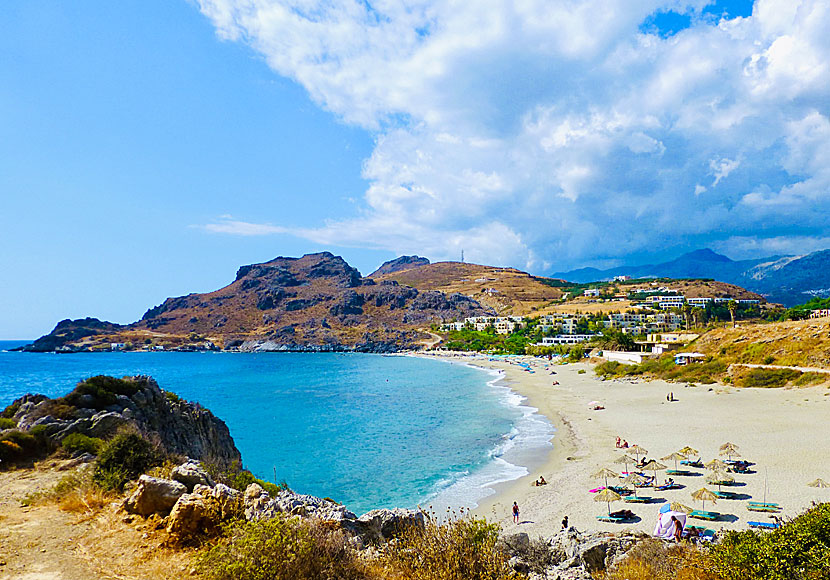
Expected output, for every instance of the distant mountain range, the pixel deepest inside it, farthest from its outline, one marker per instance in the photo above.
(787, 280)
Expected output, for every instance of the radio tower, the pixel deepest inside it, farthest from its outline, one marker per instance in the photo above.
(462, 256)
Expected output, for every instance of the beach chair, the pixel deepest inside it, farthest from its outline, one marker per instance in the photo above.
(636, 499)
(763, 504)
(692, 462)
(620, 490)
(702, 515)
(667, 487)
(681, 472)
(769, 509)
(764, 525)
(612, 519)
(724, 494)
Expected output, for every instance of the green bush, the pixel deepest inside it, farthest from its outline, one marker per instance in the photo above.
(280, 549)
(238, 478)
(800, 549)
(99, 392)
(17, 446)
(9, 411)
(123, 458)
(6, 423)
(172, 397)
(80, 443)
(767, 378)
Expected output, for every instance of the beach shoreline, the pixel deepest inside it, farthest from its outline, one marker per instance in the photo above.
(777, 429)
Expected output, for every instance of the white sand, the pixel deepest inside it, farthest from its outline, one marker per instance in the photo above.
(783, 431)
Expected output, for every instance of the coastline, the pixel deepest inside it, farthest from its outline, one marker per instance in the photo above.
(778, 429)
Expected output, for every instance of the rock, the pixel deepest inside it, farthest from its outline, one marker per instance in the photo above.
(400, 263)
(201, 512)
(518, 542)
(190, 474)
(384, 524)
(154, 495)
(518, 565)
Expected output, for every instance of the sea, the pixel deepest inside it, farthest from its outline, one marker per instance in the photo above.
(366, 430)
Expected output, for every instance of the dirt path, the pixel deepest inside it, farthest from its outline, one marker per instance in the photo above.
(44, 543)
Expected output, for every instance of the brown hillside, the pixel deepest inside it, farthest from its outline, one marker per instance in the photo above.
(506, 290)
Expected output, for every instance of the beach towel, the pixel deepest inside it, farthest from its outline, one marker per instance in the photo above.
(665, 527)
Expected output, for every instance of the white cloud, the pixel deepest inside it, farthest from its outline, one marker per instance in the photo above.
(545, 132)
(227, 225)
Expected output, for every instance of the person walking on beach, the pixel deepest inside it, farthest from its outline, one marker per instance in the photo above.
(565, 523)
(515, 513)
(678, 528)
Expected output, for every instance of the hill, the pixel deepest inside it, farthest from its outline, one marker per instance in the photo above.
(788, 280)
(316, 302)
(505, 290)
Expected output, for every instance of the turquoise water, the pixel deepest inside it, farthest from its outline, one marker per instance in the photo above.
(367, 430)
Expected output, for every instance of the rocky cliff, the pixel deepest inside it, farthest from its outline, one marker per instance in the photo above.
(317, 302)
(398, 264)
(99, 406)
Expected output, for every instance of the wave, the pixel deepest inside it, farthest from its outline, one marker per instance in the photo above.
(519, 451)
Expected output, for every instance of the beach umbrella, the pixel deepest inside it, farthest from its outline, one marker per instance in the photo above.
(675, 456)
(719, 478)
(689, 451)
(605, 473)
(704, 494)
(625, 460)
(716, 465)
(607, 495)
(634, 479)
(654, 466)
(730, 453)
(676, 506)
(728, 445)
(637, 451)
(819, 483)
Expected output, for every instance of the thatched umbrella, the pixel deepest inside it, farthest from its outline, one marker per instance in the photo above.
(819, 483)
(676, 506)
(675, 456)
(704, 494)
(719, 478)
(605, 473)
(654, 466)
(634, 479)
(607, 495)
(637, 450)
(730, 450)
(688, 451)
(716, 465)
(625, 460)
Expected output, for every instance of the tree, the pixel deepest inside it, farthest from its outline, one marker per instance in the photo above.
(697, 315)
(733, 308)
(686, 309)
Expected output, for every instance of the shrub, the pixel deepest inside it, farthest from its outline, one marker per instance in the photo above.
(280, 549)
(172, 397)
(99, 392)
(80, 443)
(76, 492)
(6, 423)
(654, 560)
(123, 458)
(18, 446)
(238, 478)
(766, 378)
(9, 411)
(800, 549)
(461, 548)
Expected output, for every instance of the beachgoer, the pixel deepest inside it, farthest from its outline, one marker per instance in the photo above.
(667, 398)
(536, 483)
(618, 441)
(565, 523)
(542, 480)
(625, 444)
(515, 513)
(678, 528)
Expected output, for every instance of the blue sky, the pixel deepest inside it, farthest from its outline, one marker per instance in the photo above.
(147, 149)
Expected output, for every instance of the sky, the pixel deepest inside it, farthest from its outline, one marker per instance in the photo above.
(148, 149)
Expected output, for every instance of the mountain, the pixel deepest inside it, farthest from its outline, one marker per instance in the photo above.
(398, 264)
(316, 302)
(788, 280)
(505, 290)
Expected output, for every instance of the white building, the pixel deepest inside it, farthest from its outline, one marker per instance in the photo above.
(821, 313)
(591, 292)
(700, 302)
(622, 278)
(565, 339)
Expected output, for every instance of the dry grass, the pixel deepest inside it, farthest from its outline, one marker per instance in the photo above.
(657, 560)
(75, 492)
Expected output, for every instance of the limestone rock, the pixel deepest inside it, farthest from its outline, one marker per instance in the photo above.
(190, 474)
(154, 495)
(202, 511)
(385, 524)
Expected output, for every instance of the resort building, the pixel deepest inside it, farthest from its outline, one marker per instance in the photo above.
(821, 313)
(502, 324)
(591, 292)
(700, 302)
(565, 339)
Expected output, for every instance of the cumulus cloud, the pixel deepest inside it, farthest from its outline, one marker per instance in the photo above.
(547, 133)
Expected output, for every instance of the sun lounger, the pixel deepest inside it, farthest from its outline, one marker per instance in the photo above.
(597, 489)
(702, 515)
(772, 509)
(724, 494)
(620, 490)
(764, 525)
(692, 463)
(613, 519)
(763, 504)
(667, 487)
(677, 472)
(637, 499)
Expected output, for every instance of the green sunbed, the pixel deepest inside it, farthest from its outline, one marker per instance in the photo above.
(763, 504)
(634, 499)
(764, 508)
(764, 525)
(724, 494)
(702, 515)
(612, 519)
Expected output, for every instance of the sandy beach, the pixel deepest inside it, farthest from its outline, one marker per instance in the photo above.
(782, 431)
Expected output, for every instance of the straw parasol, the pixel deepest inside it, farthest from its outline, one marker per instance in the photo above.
(719, 478)
(728, 445)
(607, 495)
(654, 466)
(625, 460)
(605, 473)
(676, 506)
(634, 479)
(819, 483)
(689, 451)
(677, 455)
(637, 450)
(730, 450)
(704, 494)
(716, 465)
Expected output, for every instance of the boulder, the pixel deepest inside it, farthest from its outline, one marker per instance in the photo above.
(385, 524)
(154, 495)
(191, 474)
(202, 512)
